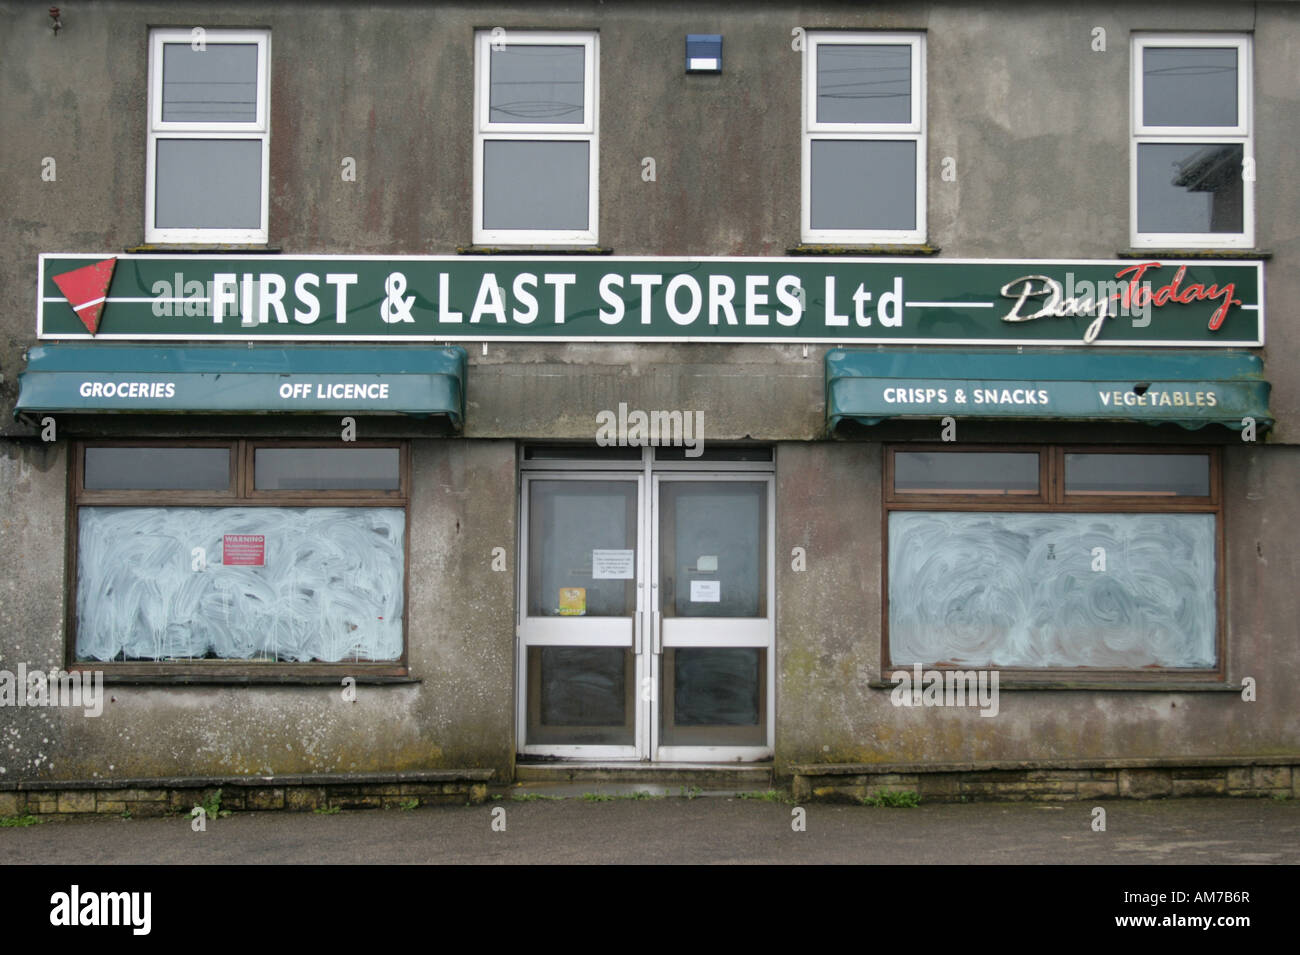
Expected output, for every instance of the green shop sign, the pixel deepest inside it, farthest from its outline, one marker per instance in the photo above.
(1188, 387)
(598, 298)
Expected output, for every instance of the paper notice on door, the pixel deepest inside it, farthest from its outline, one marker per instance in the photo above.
(612, 565)
(707, 564)
(706, 591)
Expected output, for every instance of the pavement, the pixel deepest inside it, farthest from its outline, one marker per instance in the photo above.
(531, 828)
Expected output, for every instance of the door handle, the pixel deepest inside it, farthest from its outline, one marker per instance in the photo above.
(657, 631)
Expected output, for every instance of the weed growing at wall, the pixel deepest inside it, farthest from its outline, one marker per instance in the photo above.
(893, 799)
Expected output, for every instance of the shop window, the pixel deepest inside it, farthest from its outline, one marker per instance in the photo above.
(535, 142)
(240, 553)
(864, 138)
(1193, 143)
(1054, 559)
(209, 136)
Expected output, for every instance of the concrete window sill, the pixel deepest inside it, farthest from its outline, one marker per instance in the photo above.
(1161, 686)
(531, 250)
(218, 249)
(864, 251)
(1194, 254)
(254, 679)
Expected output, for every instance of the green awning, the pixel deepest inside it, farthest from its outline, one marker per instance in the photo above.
(220, 379)
(1189, 388)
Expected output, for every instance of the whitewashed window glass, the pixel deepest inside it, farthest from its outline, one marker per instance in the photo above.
(535, 142)
(1193, 142)
(209, 136)
(996, 589)
(864, 138)
(329, 588)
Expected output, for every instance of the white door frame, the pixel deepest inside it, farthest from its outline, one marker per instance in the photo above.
(645, 631)
(704, 632)
(578, 631)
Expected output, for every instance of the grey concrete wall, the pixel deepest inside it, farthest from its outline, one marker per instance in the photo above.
(829, 638)
(828, 616)
(461, 624)
(1035, 119)
(33, 512)
(1038, 125)
(460, 638)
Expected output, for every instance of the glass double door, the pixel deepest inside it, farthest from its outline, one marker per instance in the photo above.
(646, 624)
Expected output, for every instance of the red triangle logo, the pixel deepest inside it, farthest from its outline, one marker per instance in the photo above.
(86, 289)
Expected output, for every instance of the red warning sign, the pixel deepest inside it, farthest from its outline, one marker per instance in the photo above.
(86, 289)
(244, 550)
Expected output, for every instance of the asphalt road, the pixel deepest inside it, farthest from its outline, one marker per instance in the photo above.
(706, 830)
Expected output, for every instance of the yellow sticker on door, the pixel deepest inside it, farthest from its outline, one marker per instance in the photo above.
(573, 601)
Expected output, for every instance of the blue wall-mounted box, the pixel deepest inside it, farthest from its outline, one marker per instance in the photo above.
(704, 53)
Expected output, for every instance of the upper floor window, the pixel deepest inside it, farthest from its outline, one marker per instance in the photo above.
(209, 131)
(1193, 143)
(864, 138)
(535, 138)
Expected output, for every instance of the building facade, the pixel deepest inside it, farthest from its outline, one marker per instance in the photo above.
(860, 392)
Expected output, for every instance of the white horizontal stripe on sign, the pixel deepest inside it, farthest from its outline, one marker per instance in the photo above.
(950, 304)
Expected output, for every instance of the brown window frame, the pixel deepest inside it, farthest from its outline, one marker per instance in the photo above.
(240, 493)
(1052, 498)
(947, 497)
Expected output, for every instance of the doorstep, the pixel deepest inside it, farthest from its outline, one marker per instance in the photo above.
(576, 779)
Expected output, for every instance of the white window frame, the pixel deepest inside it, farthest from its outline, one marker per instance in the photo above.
(587, 131)
(913, 131)
(1242, 133)
(158, 130)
